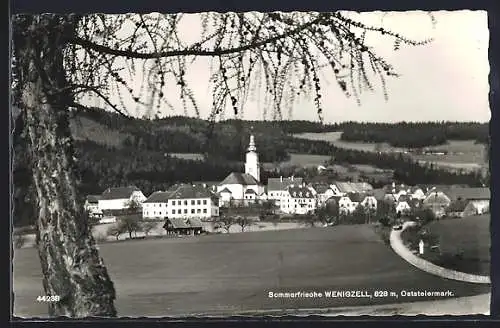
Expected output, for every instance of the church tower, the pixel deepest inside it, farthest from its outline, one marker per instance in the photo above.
(252, 160)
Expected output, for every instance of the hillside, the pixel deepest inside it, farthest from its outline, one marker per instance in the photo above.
(153, 154)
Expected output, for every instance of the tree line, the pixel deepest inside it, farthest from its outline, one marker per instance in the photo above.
(151, 168)
(415, 135)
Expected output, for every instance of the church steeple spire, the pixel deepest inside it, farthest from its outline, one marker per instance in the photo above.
(252, 158)
(251, 146)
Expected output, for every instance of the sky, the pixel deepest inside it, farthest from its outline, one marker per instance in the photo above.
(444, 80)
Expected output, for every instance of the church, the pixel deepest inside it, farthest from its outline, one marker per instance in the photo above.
(243, 188)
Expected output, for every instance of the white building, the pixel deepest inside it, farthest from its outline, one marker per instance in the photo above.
(120, 198)
(187, 201)
(277, 187)
(238, 185)
(298, 200)
(370, 202)
(92, 205)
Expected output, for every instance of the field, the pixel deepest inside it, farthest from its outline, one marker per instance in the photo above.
(188, 156)
(302, 160)
(462, 154)
(464, 243)
(219, 274)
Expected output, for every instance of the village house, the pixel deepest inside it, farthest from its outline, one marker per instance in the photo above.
(187, 201)
(478, 199)
(403, 206)
(395, 191)
(155, 206)
(437, 201)
(369, 202)
(344, 204)
(277, 187)
(298, 200)
(239, 184)
(460, 208)
(119, 199)
(183, 226)
(322, 192)
(416, 192)
(91, 205)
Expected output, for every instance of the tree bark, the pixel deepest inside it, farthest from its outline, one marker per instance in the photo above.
(70, 262)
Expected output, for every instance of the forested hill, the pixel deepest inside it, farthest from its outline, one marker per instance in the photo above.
(114, 151)
(415, 135)
(156, 133)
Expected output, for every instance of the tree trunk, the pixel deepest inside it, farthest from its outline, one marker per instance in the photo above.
(71, 266)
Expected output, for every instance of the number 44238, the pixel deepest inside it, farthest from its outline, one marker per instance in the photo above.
(48, 298)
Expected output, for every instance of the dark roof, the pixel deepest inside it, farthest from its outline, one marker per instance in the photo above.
(300, 192)
(404, 198)
(195, 223)
(179, 223)
(458, 205)
(93, 198)
(182, 223)
(158, 197)
(320, 188)
(225, 190)
(469, 193)
(274, 184)
(356, 197)
(240, 178)
(118, 193)
(250, 191)
(190, 192)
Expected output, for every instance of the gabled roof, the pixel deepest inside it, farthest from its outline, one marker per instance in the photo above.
(320, 188)
(191, 192)
(275, 184)
(356, 197)
(403, 198)
(469, 193)
(93, 199)
(178, 223)
(158, 197)
(250, 192)
(118, 193)
(195, 223)
(300, 192)
(240, 178)
(225, 190)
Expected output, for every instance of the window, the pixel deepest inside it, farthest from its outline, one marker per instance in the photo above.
(198, 202)
(192, 202)
(198, 211)
(205, 210)
(185, 211)
(173, 211)
(185, 202)
(192, 211)
(204, 202)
